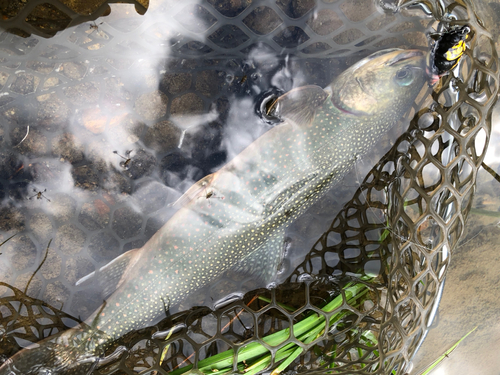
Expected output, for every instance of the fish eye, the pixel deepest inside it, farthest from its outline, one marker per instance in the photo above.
(404, 76)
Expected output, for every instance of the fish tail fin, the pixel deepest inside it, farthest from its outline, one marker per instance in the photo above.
(64, 353)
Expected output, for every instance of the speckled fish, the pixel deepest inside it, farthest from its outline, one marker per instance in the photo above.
(236, 217)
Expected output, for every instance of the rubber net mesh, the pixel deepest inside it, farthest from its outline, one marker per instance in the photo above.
(47, 17)
(405, 219)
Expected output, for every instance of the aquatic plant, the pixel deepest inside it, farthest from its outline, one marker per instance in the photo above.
(255, 357)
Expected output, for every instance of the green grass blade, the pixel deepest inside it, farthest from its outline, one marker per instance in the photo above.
(307, 330)
(298, 351)
(261, 364)
(445, 354)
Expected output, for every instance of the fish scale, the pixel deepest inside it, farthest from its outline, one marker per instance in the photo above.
(236, 218)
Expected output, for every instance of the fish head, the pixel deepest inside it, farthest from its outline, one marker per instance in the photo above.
(385, 83)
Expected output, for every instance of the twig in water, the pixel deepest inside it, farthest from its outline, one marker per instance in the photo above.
(7, 240)
(22, 140)
(238, 315)
(181, 139)
(40, 266)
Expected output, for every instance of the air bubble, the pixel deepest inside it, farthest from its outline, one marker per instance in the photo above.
(454, 86)
(264, 106)
(227, 300)
(426, 120)
(304, 277)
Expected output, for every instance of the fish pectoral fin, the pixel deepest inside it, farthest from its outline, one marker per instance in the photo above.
(262, 264)
(110, 276)
(300, 104)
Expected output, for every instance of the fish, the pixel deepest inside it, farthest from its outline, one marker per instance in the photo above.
(235, 218)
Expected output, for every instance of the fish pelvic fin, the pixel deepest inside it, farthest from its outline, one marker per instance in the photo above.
(110, 276)
(299, 105)
(263, 263)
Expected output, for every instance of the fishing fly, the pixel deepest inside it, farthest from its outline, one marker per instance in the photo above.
(447, 50)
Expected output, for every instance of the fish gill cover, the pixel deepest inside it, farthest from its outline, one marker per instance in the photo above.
(399, 228)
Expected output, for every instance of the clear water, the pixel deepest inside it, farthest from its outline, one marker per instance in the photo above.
(103, 132)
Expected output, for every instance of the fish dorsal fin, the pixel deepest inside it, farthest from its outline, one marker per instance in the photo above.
(110, 276)
(300, 104)
(267, 257)
(195, 191)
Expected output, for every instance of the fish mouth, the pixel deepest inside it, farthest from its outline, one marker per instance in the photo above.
(337, 104)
